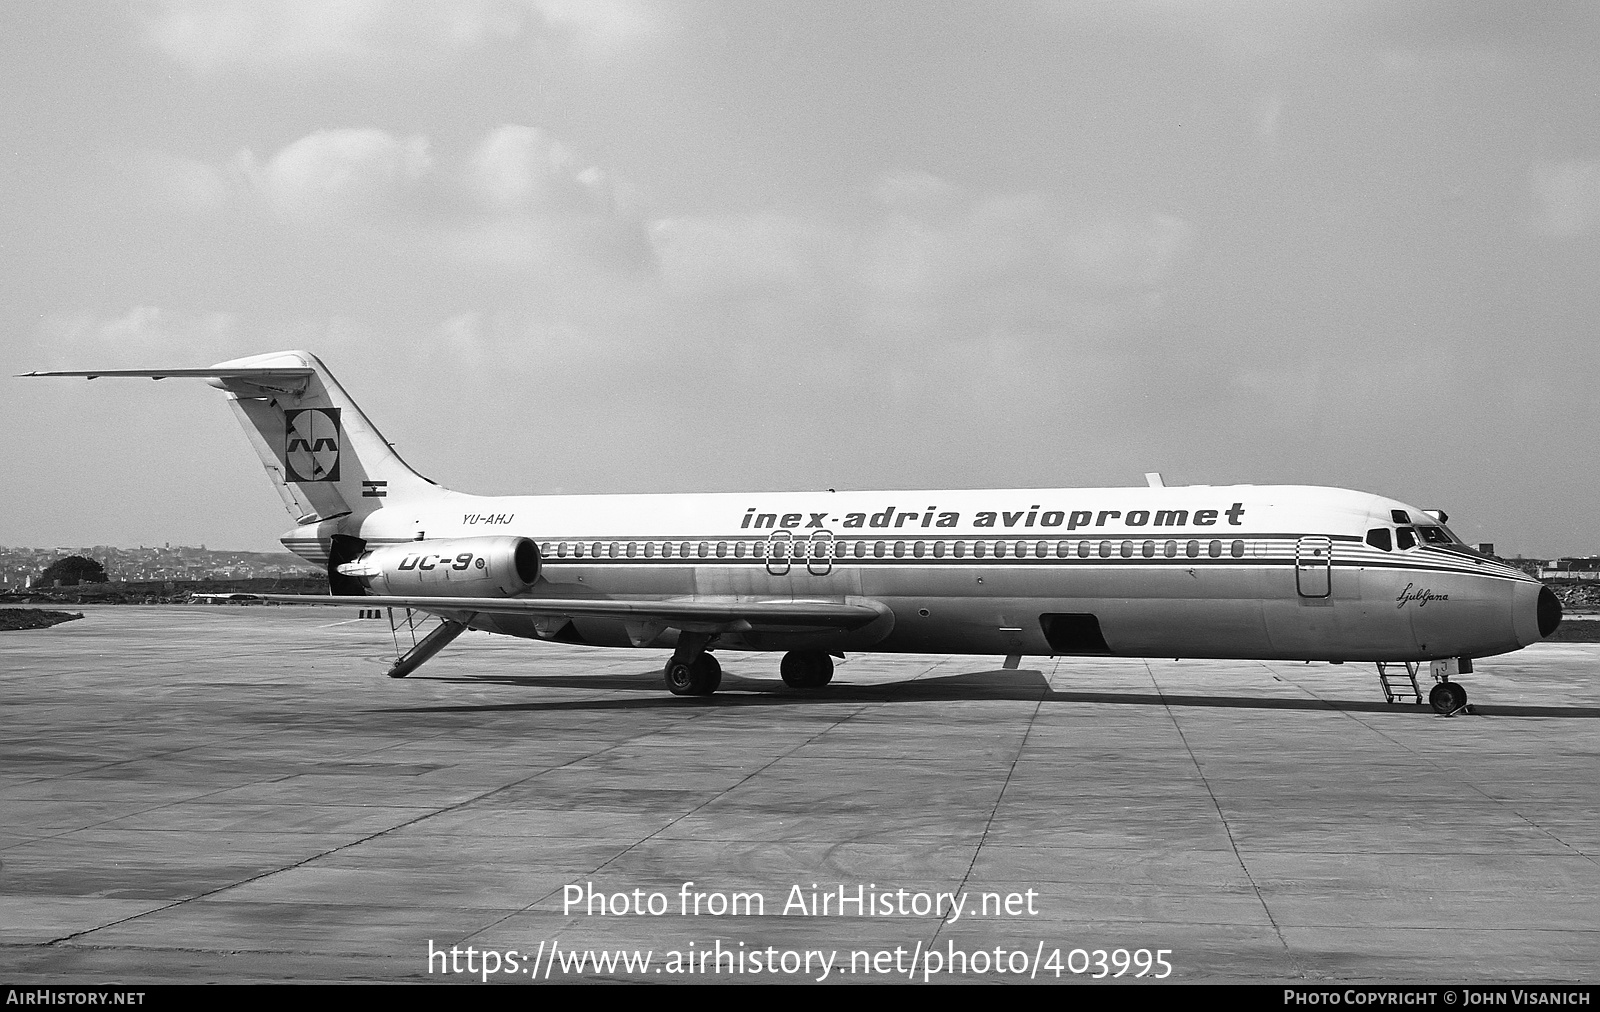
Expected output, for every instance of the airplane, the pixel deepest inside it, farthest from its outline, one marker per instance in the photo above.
(1268, 572)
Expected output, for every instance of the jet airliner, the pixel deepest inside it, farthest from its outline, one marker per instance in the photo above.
(1272, 572)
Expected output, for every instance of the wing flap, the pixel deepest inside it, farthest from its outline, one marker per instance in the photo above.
(729, 615)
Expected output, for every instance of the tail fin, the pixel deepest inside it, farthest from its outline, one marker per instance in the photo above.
(322, 453)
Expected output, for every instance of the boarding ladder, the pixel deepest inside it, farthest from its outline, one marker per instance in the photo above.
(1399, 683)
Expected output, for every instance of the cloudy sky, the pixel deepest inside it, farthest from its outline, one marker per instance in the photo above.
(557, 245)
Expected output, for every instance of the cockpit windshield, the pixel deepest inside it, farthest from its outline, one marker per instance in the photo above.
(1436, 536)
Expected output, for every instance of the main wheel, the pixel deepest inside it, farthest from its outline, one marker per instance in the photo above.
(1447, 697)
(699, 677)
(806, 669)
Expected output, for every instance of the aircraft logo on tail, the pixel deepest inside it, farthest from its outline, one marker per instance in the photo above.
(312, 451)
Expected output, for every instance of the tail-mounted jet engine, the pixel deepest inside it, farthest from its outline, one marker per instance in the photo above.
(448, 567)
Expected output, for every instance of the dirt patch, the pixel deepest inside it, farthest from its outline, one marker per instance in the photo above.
(33, 618)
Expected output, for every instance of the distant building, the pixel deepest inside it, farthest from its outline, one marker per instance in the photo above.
(1586, 568)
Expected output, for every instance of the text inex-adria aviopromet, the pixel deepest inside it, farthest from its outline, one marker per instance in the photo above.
(1036, 515)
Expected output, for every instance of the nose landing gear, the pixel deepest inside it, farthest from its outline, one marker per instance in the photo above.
(1449, 698)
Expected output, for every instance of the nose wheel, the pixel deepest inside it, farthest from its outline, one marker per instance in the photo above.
(1448, 698)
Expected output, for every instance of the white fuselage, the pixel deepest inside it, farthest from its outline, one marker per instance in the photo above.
(1287, 572)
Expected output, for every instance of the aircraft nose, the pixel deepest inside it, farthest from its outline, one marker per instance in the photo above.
(1549, 612)
(1537, 613)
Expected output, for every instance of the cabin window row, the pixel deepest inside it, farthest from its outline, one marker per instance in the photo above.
(845, 549)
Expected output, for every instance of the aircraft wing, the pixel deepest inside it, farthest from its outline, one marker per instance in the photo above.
(699, 615)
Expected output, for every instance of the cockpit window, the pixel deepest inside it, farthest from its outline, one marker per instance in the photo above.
(1405, 537)
(1378, 538)
(1400, 516)
(1434, 535)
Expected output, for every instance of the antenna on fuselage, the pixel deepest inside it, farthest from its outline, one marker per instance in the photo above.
(1153, 479)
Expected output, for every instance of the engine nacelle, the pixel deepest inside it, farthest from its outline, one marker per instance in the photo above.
(449, 567)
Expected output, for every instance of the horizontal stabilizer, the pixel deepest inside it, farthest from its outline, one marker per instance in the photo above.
(272, 379)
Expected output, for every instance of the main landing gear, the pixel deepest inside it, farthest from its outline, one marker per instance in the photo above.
(691, 671)
(806, 669)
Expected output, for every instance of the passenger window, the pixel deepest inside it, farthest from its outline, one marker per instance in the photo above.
(705, 549)
(1149, 549)
(738, 549)
(979, 549)
(1405, 538)
(1083, 549)
(1192, 550)
(1105, 549)
(1238, 549)
(649, 549)
(1215, 550)
(999, 549)
(878, 549)
(938, 549)
(1127, 549)
(1379, 538)
(683, 549)
(918, 549)
(959, 549)
(596, 549)
(632, 548)
(1022, 549)
(561, 550)
(1171, 550)
(1062, 548)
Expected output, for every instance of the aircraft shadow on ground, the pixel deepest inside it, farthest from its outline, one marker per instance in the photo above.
(1020, 685)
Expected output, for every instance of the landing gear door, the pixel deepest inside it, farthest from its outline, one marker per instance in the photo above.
(1313, 567)
(779, 547)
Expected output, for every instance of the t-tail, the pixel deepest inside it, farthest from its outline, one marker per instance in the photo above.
(324, 456)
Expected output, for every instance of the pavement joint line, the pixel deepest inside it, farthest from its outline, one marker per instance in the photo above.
(661, 829)
(208, 794)
(353, 843)
(1461, 778)
(988, 823)
(1221, 815)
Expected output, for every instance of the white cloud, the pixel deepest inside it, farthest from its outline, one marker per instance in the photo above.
(333, 172)
(212, 36)
(766, 253)
(936, 263)
(142, 335)
(1567, 194)
(520, 169)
